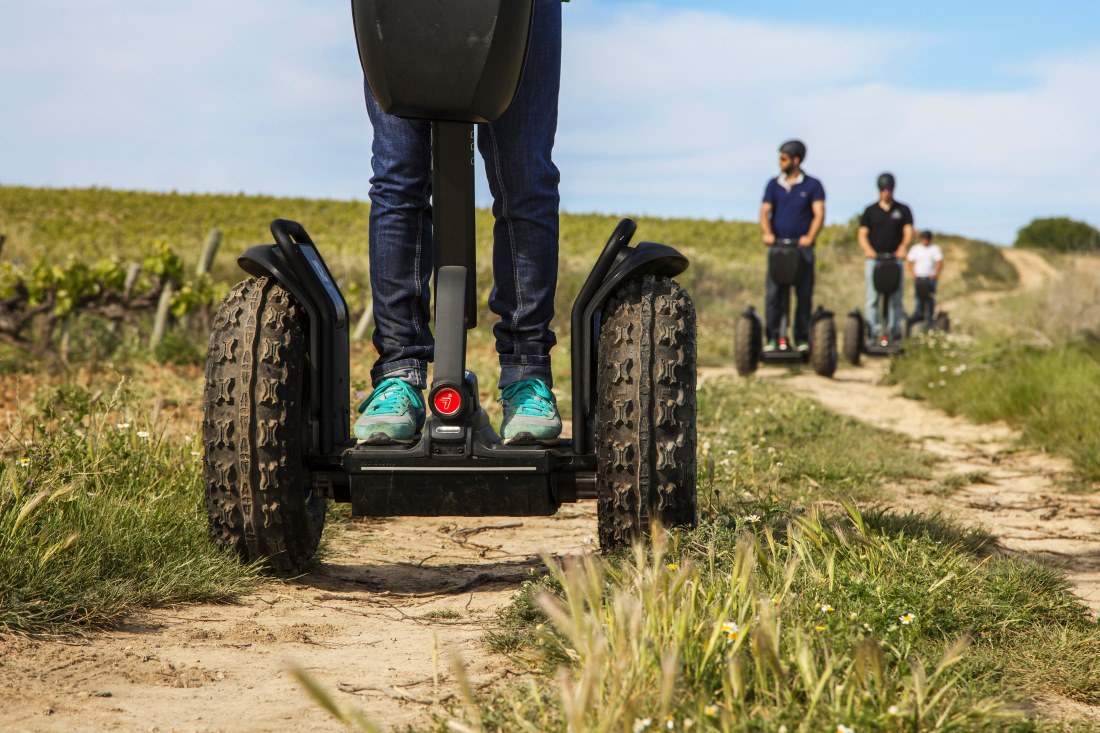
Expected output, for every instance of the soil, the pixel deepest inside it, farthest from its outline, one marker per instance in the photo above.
(396, 601)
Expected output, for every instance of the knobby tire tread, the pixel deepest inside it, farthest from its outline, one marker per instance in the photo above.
(258, 488)
(646, 411)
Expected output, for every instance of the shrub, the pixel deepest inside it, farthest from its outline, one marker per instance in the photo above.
(1059, 234)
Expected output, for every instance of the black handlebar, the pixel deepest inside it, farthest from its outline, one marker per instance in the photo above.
(287, 232)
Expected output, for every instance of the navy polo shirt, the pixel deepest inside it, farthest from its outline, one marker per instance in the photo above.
(792, 211)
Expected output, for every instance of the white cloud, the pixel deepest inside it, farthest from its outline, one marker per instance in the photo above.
(664, 111)
(703, 100)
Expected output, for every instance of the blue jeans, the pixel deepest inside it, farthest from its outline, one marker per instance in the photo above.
(894, 306)
(524, 183)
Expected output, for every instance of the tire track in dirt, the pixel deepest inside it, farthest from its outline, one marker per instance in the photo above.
(377, 626)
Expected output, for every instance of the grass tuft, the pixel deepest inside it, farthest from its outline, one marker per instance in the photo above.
(100, 515)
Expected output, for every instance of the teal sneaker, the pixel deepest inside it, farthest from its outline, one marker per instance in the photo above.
(394, 411)
(530, 413)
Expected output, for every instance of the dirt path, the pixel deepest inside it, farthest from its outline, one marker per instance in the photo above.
(1019, 496)
(377, 626)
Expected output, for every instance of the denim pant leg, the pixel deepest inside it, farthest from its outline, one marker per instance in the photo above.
(523, 179)
(874, 318)
(897, 308)
(776, 303)
(805, 290)
(401, 245)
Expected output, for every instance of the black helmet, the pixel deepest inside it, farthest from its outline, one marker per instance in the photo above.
(886, 182)
(926, 234)
(794, 148)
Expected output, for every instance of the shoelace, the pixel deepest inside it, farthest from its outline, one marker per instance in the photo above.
(391, 397)
(529, 397)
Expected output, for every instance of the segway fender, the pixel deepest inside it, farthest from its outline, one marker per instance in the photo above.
(329, 348)
(646, 258)
(754, 314)
(819, 313)
(265, 260)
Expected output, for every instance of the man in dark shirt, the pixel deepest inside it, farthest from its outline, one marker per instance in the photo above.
(886, 227)
(793, 208)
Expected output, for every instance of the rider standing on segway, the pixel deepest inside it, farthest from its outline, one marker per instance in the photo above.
(924, 263)
(523, 180)
(793, 209)
(886, 228)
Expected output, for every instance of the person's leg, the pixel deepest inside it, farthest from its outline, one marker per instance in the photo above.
(400, 245)
(524, 182)
(897, 309)
(805, 288)
(930, 306)
(774, 302)
(918, 309)
(400, 271)
(874, 319)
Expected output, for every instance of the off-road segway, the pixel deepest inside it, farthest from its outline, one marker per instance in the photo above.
(277, 413)
(930, 320)
(858, 338)
(784, 261)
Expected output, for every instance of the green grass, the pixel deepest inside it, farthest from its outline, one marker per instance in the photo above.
(1046, 393)
(726, 274)
(100, 515)
(759, 441)
(800, 622)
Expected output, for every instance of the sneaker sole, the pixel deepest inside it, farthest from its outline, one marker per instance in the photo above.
(529, 439)
(383, 439)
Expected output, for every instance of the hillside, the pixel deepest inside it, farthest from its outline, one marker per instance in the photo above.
(727, 269)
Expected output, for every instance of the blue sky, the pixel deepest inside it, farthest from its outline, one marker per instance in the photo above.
(987, 112)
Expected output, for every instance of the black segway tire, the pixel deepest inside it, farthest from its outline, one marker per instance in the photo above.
(259, 498)
(943, 323)
(823, 352)
(746, 345)
(853, 339)
(645, 431)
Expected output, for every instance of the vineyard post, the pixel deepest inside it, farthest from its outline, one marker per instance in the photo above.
(209, 250)
(160, 323)
(364, 323)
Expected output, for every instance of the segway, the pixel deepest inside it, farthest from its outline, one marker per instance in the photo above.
(784, 262)
(858, 338)
(277, 397)
(940, 321)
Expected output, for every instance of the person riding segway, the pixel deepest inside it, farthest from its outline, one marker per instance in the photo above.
(276, 427)
(791, 216)
(924, 263)
(885, 232)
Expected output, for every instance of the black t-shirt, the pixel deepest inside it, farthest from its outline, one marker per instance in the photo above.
(886, 228)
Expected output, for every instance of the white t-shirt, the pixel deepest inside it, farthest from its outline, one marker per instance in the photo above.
(924, 259)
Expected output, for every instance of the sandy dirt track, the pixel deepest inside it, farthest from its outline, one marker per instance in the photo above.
(394, 602)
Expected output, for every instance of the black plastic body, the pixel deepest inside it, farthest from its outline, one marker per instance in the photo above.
(295, 262)
(458, 466)
(443, 60)
(784, 262)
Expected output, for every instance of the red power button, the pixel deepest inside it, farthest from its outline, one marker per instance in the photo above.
(447, 402)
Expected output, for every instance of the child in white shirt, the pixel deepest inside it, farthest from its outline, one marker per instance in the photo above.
(924, 263)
